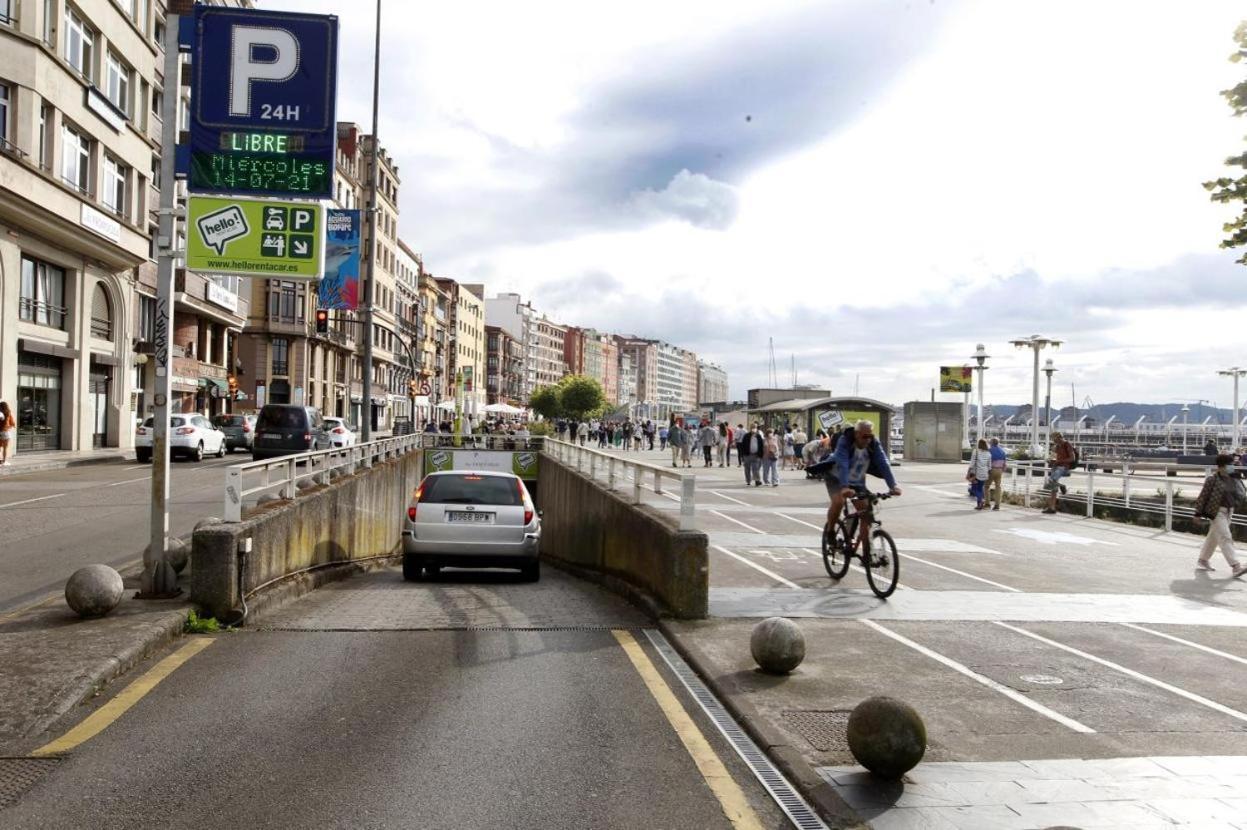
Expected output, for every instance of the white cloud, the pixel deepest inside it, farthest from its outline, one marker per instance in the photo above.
(694, 197)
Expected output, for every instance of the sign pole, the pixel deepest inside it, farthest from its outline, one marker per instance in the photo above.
(159, 578)
(370, 285)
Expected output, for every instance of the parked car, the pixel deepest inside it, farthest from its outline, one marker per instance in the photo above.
(239, 430)
(286, 429)
(190, 435)
(471, 520)
(340, 432)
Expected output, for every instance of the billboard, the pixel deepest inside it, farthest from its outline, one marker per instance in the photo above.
(523, 463)
(282, 240)
(955, 378)
(339, 287)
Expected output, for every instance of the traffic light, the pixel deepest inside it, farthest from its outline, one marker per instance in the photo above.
(233, 385)
(414, 387)
(322, 321)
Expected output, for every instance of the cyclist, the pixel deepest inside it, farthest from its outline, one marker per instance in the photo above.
(857, 454)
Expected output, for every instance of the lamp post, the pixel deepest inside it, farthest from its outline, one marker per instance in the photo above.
(1036, 343)
(1235, 373)
(1048, 369)
(980, 356)
(1186, 411)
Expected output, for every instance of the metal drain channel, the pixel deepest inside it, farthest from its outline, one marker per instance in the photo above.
(793, 805)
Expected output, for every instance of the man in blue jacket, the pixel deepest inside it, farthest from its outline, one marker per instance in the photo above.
(857, 455)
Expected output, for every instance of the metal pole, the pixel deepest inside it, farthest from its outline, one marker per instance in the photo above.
(1047, 406)
(980, 429)
(370, 282)
(965, 418)
(159, 578)
(1234, 448)
(1035, 402)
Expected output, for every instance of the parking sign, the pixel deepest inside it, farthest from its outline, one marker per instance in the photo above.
(250, 237)
(263, 102)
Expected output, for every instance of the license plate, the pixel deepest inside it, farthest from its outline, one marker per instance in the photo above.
(464, 516)
(270, 435)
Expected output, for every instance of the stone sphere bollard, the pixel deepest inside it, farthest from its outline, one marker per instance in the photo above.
(177, 554)
(887, 736)
(778, 645)
(268, 498)
(93, 591)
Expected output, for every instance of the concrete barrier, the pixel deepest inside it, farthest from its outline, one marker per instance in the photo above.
(355, 520)
(595, 530)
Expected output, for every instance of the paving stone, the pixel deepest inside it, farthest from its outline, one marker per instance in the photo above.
(1197, 811)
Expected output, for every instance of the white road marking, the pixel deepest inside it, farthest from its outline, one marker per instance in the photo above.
(32, 501)
(758, 567)
(937, 491)
(1047, 537)
(1012, 694)
(128, 481)
(908, 555)
(819, 528)
(1224, 654)
(729, 498)
(856, 565)
(738, 521)
(1160, 684)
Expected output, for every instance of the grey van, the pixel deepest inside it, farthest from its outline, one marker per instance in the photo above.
(286, 429)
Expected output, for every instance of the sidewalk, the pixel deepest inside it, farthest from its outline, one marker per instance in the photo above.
(33, 462)
(51, 661)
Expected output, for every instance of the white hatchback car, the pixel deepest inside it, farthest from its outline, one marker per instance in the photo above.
(339, 432)
(471, 520)
(190, 435)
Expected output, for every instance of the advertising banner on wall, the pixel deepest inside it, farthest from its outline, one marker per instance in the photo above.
(523, 463)
(339, 287)
(249, 237)
(955, 378)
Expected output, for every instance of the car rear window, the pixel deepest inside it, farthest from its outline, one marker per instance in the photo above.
(470, 489)
(282, 417)
(174, 421)
(228, 420)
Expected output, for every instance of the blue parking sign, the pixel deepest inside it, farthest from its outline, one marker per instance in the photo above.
(263, 96)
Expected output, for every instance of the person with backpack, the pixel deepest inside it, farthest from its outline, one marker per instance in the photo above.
(856, 454)
(1221, 495)
(980, 470)
(1064, 459)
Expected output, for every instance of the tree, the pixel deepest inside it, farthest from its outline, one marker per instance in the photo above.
(581, 396)
(1226, 189)
(546, 401)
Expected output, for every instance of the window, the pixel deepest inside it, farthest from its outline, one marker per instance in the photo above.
(158, 102)
(115, 175)
(101, 314)
(79, 43)
(156, 172)
(281, 356)
(147, 318)
(117, 83)
(158, 32)
(8, 12)
(284, 302)
(42, 298)
(6, 98)
(76, 159)
(45, 117)
(49, 22)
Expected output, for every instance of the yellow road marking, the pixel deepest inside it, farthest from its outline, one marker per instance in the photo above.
(101, 718)
(731, 797)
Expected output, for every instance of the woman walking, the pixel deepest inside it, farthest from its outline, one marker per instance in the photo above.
(980, 470)
(1215, 502)
(8, 431)
(722, 445)
(770, 456)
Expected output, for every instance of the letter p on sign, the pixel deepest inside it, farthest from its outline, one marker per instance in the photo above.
(259, 54)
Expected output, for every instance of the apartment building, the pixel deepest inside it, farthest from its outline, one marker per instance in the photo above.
(643, 373)
(627, 389)
(551, 366)
(80, 132)
(518, 319)
(504, 366)
(594, 354)
(466, 347)
(408, 312)
(711, 383)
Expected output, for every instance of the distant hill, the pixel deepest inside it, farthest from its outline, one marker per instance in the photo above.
(1128, 413)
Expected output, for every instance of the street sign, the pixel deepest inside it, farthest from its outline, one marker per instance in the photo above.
(283, 240)
(263, 93)
(339, 287)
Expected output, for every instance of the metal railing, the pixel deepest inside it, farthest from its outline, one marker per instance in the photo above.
(284, 473)
(595, 463)
(1140, 487)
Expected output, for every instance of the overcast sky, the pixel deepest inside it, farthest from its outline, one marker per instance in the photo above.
(876, 184)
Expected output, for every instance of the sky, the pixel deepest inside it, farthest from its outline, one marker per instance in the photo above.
(875, 185)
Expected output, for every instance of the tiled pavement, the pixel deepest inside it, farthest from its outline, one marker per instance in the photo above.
(1204, 792)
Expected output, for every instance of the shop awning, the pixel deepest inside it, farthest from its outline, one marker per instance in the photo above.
(217, 387)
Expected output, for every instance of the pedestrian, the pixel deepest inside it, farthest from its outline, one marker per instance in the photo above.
(799, 440)
(1211, 447)
(740, 436)
(723, 443)
(1216, 502)
(8, 431)
(995, 479)
(709, 438)
(750, 449)
(686, 451)
(1062, 462)
(676, 439)
(627, 435)
(728, 443)
(771, 452)
(787, 448)
(662, 438)
(637, 436)
(980, 470)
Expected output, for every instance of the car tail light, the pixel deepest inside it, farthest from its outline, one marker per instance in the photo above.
(340, 431)
(528, 511)
(246, 427)
(142, 431)
(411, 513)
(185, 430)
(307, 436)
(528, 517)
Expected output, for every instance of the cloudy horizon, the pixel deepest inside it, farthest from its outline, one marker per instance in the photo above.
(877, 186)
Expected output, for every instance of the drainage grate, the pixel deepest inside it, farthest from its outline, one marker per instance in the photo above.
(793, 805)
(17, 775)
(824, 730)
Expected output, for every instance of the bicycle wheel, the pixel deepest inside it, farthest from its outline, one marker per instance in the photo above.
(883, 566)
(835, 558)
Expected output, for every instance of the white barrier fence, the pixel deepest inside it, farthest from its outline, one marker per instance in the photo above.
(1145, 488)
(284, 471)
(615, 470)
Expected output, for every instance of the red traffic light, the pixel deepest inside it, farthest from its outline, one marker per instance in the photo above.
(322, 321)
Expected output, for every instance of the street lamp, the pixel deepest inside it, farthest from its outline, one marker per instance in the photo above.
(1036, 343)
(1048, 369)
(980, 355)
(1186, 410)
(1236, 373)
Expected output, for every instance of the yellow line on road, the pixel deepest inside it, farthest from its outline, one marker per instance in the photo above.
(731, 797)
(102, 718)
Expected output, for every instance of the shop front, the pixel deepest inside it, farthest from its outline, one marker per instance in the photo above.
(39, 397)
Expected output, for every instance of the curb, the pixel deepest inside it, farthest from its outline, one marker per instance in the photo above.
(813, 788)
(54, 464)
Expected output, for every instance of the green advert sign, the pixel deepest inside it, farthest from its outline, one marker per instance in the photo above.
(251, 237)
(524, 463)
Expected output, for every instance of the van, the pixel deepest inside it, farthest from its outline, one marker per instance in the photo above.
(286, 429)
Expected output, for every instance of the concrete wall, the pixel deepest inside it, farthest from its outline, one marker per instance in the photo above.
(933, 431)
(594, 529)
(357, 518)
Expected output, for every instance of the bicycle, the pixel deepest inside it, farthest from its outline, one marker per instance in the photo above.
(878, 555)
